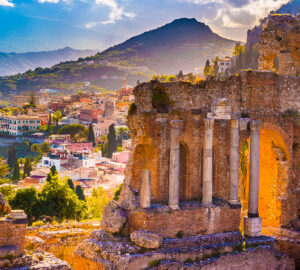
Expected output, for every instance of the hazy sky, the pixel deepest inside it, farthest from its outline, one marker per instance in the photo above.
(31, 25)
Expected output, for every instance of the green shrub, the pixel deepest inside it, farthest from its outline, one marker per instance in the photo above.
(154, 263)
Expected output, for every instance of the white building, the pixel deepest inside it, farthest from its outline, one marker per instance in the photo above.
(225, 64)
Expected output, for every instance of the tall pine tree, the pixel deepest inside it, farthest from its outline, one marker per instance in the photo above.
(80, 193)
(12, 156)
(27, 167)
(16, 172)
(112, 141)
(91, 135)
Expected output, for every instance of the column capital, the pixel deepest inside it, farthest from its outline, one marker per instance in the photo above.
(209, 122)
(255, 125)
(176, 124)
(234, 123)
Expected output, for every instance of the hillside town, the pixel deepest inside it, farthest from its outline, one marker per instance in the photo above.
(178, 149)
(80, 158)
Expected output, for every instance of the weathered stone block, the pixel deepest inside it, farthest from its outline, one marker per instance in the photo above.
(113, 218)
(146, 239)
(252, 226)
(7, 251)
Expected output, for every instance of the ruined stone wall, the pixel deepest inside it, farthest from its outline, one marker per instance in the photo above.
(187, 221)
(259, 95)
(12, 233)
(279, 42)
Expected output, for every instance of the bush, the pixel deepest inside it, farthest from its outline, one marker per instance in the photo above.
(117, 193)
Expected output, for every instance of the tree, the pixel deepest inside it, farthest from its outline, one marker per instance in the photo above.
(79, 192)
(57, 116)
(180, 75)
(112, 142)
(206, 70)
(4, 168)
(36, 149)
(12, 156)
(53, 170)
(70, 184)
(26, 199)
(45, 147)
(97, 202)
(8, 191)
(91, 135)
(122, 134)
(59, 201)
(16, 172)
(27, 167)
(49, 123)
(72, 129)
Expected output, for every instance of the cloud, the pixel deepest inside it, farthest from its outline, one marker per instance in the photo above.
(116, 12)
(53, 1)
(6, 3)
(238, 13)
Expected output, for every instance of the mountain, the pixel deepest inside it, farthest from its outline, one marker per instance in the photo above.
(184, 44)
(13, 63)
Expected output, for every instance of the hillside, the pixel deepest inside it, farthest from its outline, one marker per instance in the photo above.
(13, 63)
(183, 44)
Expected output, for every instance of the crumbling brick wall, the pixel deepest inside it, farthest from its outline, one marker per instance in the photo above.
(280, 40)
(12, 233)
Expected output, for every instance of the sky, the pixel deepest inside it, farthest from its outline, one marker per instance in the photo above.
(37, 25)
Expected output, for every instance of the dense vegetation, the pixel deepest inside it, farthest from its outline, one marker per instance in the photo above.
(57, 201)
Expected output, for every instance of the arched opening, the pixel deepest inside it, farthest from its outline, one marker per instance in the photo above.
(183, 172)
(273, 177)
(145, 157)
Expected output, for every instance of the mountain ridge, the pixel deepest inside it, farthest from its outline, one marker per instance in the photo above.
(13, 63)
(183, 44)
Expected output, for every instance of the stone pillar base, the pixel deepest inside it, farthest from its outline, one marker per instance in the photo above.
(252, 226)
(174, 207)
(234, 204)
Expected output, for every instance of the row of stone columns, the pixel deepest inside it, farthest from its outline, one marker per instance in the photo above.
(174, 168)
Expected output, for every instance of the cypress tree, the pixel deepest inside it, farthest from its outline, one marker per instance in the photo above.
(206, 68)
(16, 172)
(53, 170)
(49, 123)
(80, 193)
(112, 141)
(12, 156)
(70, 184)
(91, 135)
(27, 167)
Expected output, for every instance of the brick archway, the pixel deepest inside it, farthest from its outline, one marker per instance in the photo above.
(273, 175)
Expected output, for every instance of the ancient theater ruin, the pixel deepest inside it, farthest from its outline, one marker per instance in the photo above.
(210, 164)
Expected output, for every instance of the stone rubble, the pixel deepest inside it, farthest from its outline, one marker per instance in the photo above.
(146, 239)
(113, 218)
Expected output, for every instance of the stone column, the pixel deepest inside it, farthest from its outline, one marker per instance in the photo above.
(174, 164)
(207, 161)
(163, 156)
(253, 221)
(234, 162)
(146, 189)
